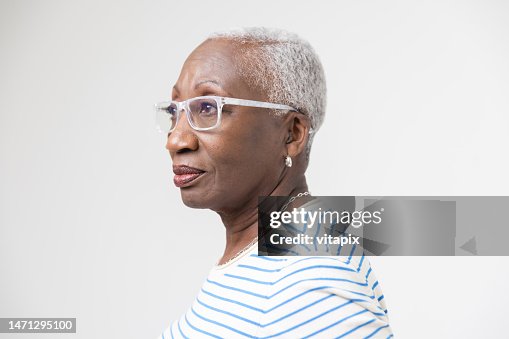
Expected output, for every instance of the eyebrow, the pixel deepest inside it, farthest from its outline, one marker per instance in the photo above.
(208, 82)
(203, 82)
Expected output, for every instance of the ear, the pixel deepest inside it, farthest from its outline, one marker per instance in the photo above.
(298, 127)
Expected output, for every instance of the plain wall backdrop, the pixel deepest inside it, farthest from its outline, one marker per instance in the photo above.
(91, 225)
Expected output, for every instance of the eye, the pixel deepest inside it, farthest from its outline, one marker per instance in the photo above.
(203, 107)
(207, 108)
(171, 110)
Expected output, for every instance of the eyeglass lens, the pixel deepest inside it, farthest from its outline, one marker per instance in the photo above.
(203, 113)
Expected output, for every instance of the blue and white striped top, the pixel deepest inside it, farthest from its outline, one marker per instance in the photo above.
(287, 297)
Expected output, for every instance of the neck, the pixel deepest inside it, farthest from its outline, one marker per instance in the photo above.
(242, 225)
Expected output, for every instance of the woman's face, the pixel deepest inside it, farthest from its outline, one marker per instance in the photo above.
(237, 161)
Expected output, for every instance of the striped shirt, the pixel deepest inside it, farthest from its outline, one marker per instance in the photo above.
(287, 297)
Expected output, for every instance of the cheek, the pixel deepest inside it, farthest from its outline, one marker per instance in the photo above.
(243, 155)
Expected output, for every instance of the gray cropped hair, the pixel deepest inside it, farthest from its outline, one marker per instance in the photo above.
(285, 67)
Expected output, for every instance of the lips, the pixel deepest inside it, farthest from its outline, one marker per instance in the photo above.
(184, 175)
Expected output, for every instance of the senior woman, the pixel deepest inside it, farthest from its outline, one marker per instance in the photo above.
(240, 125)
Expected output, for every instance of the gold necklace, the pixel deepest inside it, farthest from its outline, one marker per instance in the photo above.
(255, 240)
(292, 199)
(239, 253)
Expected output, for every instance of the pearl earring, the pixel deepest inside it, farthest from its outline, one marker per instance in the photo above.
(288, 161)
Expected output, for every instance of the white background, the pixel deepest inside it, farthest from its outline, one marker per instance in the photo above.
(91, 225)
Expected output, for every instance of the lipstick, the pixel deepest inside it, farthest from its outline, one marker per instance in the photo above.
(185, 175)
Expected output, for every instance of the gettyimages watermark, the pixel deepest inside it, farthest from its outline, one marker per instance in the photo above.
(349, 225)
(315, 217)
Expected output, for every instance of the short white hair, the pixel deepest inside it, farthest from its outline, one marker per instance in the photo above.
(286, 67)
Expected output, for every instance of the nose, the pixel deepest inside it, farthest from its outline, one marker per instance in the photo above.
(183, 138)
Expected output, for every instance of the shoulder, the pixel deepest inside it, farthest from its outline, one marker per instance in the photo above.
(324, 295)
(350, 277)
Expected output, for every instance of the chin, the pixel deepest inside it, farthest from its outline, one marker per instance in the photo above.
(193, 200)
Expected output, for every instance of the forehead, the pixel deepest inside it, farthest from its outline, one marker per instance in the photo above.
(216, 61)
(218, 55)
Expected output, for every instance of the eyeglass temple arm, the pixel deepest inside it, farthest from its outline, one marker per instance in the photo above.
(253, 103)
(162, 105)
(261, 104)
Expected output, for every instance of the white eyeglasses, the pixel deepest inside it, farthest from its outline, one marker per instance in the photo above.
(203, 113)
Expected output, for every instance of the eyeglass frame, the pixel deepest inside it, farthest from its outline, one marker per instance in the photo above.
(220, 101)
